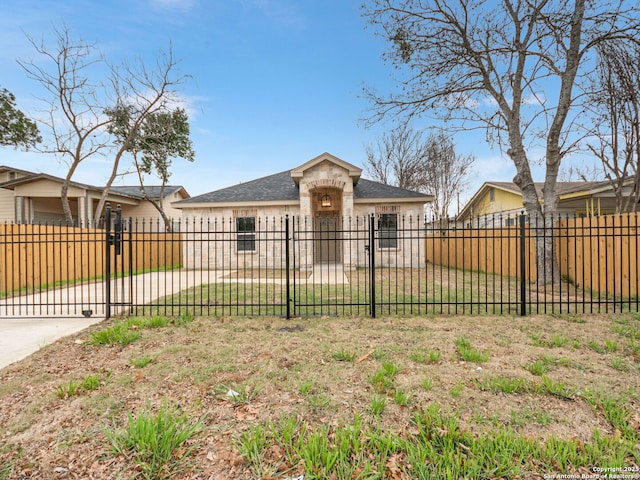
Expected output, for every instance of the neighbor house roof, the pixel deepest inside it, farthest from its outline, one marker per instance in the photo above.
(34, 177)
(153, 191)
(123, 191)
(563, 189)
(281, 187)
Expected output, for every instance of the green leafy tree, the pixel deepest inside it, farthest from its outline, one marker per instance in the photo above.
(160, 138)
(15, 128)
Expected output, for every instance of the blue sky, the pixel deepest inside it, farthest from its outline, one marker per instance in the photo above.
(275, 82)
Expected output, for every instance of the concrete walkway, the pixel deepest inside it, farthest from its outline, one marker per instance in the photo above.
(29, 322)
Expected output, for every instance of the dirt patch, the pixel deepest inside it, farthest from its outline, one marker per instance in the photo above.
(319, 369)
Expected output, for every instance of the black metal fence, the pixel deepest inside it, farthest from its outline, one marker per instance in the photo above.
(300, 266)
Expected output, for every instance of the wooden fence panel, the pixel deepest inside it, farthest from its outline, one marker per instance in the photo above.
(40, 256)
(597, 253)
(602, 253)
(494, 250)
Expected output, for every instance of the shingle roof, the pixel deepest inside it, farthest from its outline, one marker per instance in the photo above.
(281, 187)
(278, 186)
(153, 191)
(368, 189)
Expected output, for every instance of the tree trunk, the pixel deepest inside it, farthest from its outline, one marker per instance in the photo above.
(64, 194)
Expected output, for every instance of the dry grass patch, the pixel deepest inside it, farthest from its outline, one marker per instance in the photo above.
(247, 382)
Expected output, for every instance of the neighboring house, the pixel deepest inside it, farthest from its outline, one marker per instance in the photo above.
(499, 203)
(7, 202)
(325, 191)
(145, 210)
(27, 197)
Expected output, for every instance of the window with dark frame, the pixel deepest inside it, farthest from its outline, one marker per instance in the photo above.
(246, 234)
(388, 230)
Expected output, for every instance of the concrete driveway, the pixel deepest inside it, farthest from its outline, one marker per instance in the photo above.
(33, 321)
(20, 337)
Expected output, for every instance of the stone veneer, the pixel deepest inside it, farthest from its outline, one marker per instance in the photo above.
(202, 225)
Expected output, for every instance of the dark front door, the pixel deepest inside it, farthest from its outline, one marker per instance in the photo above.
(327, 240)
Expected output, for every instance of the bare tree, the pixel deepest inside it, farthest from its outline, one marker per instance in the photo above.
(617, 128)
(514, 68)
(80, 108)
(581, 173)
(404, 158)
(446, 173)
(397, 157)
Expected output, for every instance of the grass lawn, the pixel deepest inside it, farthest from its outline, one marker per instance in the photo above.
(327, 398)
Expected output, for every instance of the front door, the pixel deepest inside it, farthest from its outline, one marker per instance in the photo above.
(327, 236)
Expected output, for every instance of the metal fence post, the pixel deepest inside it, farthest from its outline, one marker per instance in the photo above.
(523, 264)
(287, 265)
(372, 266)
(107, 260)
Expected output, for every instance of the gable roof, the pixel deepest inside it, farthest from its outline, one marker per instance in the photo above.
(34, 177)
(123, 191)
(6, 168)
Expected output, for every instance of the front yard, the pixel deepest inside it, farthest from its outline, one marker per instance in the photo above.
(337, 398)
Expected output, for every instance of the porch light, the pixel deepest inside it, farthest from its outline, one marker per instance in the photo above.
(325, 201)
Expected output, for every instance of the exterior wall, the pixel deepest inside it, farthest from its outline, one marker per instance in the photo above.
(410, 247)
(346, 236)
(485, 211)
(7, 206)
(201, 226)
(326, 175)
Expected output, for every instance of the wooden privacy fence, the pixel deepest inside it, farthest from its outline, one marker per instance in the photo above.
(601, 253)
(595, 253)
(40, 256)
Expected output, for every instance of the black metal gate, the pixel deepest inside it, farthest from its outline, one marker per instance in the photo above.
(118, 263)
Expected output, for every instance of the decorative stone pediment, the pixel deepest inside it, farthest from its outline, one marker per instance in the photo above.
(351, 171)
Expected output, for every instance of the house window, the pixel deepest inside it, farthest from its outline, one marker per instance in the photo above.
(246, 234)
(492, 194)
(388, 230)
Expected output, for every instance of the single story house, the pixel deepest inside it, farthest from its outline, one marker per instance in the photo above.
(499, 203)
(324, 196)
(28, 197)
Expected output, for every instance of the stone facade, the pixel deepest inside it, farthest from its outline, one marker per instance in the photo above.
(328, 221)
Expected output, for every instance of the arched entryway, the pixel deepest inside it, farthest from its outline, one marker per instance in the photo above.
(327, 212)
